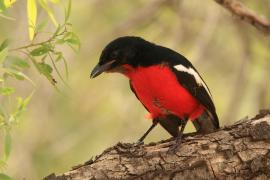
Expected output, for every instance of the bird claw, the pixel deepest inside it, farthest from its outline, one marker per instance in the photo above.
(176, 146)
(173, 149)
(138, 143)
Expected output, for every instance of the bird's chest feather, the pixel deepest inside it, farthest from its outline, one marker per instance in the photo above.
(159, 90)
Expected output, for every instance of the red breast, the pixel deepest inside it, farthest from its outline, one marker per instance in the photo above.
(159, 90)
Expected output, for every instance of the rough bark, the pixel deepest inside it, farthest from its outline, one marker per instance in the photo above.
(239, 151)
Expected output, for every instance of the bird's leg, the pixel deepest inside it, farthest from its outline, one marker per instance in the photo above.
(155, 122)
(180, 135)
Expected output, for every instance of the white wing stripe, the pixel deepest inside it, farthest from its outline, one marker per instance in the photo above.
(192, 72)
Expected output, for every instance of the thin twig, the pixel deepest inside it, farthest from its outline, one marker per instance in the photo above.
(39, 43)
(57, 71)
(241, 11)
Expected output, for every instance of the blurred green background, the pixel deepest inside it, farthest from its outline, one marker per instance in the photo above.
(60, 130)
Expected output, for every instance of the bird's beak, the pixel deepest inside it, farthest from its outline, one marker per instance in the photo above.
(98, 69)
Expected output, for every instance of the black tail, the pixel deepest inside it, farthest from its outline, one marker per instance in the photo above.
(206, 123)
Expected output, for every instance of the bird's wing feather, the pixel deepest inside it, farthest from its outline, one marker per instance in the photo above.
(191, 80)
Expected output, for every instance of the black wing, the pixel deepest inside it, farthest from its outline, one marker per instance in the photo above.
(200, 92)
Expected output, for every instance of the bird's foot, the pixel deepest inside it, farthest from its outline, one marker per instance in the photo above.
(138, 143)
(173, 149)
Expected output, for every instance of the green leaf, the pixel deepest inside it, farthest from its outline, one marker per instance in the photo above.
(8, 3)
(2, 112)
(66, 66)
(4, 44)
(1, 79)
(17, 74)
(15, 61)
(2, 6)
(6, 90)
(41, 50)
(60, 41)
(7, 144)
(45, 6)
(32, 17)
(3, 50)
(57, 30)
(73, 40)
(67, 11)
(67, 35)
(21, 75)
(21, 107)
(4, 177)
(6, 17)
(44, 68)
(59, 56)
(24, 102)
(41, 26)
(3, 55)
(55, 1)
(2, 124)
(2, 165)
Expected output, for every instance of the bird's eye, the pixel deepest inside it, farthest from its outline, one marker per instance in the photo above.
(114, 54)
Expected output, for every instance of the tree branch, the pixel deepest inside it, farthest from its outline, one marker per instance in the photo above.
(245, 14)
(238, 151)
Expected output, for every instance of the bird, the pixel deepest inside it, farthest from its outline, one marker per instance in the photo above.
(164, 81)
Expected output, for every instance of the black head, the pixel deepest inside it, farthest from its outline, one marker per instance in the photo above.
(124, 50)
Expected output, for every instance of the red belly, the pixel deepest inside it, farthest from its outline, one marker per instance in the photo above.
(159, 90)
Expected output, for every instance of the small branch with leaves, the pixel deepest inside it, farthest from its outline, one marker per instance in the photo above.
(40, 55)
